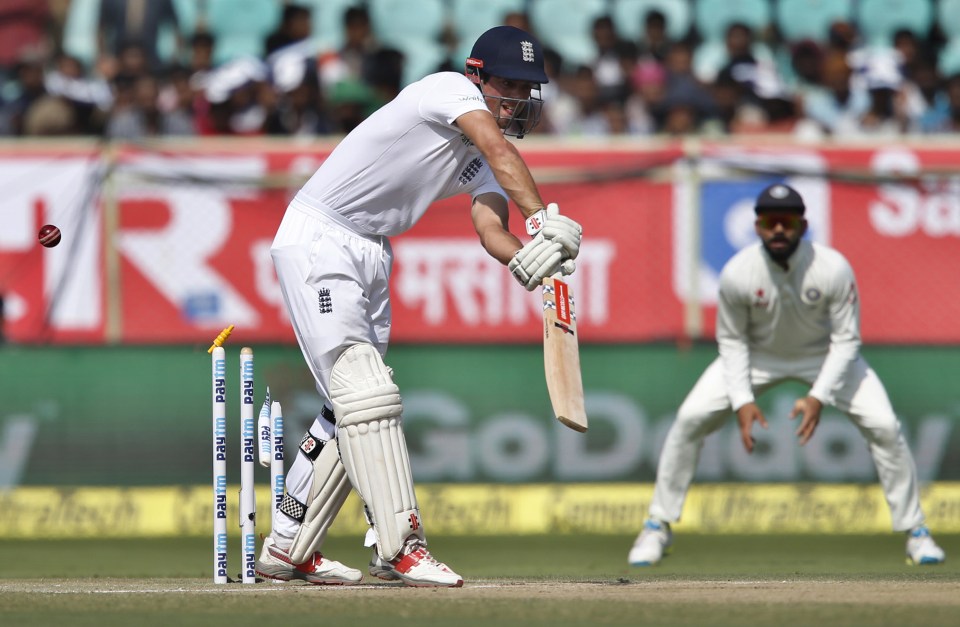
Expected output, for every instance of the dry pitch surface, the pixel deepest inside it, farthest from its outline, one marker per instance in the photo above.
(565, 580)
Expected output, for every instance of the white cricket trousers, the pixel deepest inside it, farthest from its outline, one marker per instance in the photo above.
(862, 398)
(335, 284)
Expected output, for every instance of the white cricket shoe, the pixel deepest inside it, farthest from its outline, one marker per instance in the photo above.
(651, 544)
(415, 567)
(275, 563)
(921, 549)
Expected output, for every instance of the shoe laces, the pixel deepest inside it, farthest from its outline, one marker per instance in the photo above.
(418, 549)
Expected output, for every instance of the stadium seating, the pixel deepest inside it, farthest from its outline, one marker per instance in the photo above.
(810, 19)
(713, 17)
(566, 26)
(471, 18)
(80, 30)
(629, 15)
(948, 18)
(188, 15)
(880, 19)
(240, 27)
(414, 27)
(327, 20)
(398, 22)
(711, 56)
(949, 60)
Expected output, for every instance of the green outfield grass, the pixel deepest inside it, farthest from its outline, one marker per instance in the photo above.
(785, 581)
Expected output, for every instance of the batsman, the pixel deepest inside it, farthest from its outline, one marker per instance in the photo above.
(441, 136)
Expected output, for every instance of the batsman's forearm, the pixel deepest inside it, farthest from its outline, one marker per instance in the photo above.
(515, 179)
(500, 244)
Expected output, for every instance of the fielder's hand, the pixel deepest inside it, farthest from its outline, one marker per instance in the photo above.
(746, 416)
(556, 228)
(537, 260)
(810, 408)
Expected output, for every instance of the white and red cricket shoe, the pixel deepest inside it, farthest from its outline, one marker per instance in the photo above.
(275, 563)
(415, 567)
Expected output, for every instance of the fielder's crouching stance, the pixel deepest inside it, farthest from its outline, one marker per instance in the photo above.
(787, 310)
(441, 136)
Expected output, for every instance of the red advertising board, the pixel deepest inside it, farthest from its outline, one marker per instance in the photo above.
(170, 247)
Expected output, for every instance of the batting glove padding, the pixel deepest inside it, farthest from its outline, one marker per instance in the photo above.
(537, 260)
(562, 230)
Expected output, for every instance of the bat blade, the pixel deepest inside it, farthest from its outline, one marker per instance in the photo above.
(561, 354)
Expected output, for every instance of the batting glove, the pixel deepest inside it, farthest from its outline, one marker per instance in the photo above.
(556, 228)
(537, 260)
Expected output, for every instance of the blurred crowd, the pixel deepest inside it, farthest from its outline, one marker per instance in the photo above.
(835, 86)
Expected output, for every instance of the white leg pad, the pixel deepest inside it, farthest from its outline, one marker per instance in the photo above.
(328, 492)
(368, 410)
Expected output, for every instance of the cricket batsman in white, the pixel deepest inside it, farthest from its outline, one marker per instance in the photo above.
(788, 310)
(441, 136)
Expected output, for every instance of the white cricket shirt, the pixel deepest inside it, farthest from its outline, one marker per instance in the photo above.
(781, 320)
(387, 171)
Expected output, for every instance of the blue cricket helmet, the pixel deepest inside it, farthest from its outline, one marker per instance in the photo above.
(509, 52)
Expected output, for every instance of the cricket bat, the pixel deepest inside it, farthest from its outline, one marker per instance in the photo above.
(561, 354)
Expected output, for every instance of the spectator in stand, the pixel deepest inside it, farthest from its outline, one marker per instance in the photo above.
(886, 115)
(552, 92)
(806, 61)
(50, 116)
(581, 111)
(730, 98)
(295, 26)
(176, 104)
(354, 59)
(608, 67)
(385, 75)
(519, 19)
(749, 93)
(836, 107)
(300, 111)
(199, 67)
(687, 103)
(29, 77)
(140, 22)
(645, 108)
(135, 115)
(910, 50)
(350, 104)
(842, 37)
(655, 42)
(89, 97)
(928, 102)
(24, 30)
(201, 52)
(953, 97)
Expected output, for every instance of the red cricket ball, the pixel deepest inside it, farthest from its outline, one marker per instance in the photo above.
(49, 235)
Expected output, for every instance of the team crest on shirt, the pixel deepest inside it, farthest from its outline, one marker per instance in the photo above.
(760, 299)
(324, 300)
(470, 171)
(812, 294)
